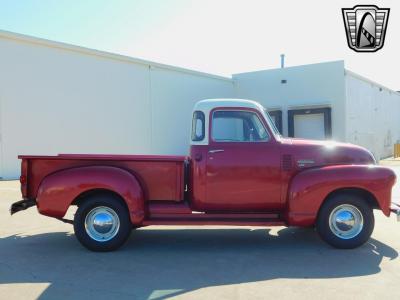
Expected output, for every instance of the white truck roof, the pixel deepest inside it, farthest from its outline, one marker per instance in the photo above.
(209, 104)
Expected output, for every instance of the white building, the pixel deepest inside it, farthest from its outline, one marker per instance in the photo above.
(58, 98)
(327, 101)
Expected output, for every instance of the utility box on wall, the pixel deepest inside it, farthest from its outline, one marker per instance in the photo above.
(396, 150)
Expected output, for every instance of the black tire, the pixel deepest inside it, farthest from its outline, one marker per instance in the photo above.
(110, 203)
(327, 231)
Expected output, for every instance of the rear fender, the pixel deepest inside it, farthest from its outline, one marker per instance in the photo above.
(58, 190)
(309, 188)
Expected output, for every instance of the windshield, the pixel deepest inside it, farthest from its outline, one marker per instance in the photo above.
(271, 124)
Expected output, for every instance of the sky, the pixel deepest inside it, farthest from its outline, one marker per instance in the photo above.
(221, 37)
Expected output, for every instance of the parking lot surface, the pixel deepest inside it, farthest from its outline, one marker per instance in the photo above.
(40, 258)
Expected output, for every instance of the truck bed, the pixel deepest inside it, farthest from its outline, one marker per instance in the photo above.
(161, 177)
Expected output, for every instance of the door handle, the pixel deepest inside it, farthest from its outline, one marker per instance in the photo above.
(216, 150)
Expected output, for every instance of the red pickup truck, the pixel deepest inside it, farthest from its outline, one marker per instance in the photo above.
(240, 171)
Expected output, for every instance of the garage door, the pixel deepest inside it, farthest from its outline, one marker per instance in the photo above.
(309, 126)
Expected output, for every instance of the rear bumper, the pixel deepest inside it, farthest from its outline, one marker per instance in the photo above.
(21, 205)
(395, 208)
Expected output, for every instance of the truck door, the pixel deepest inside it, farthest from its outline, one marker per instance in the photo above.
(243, 163)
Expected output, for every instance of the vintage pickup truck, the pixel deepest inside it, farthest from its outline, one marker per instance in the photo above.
(240, 171)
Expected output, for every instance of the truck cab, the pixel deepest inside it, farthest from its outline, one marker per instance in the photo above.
(240, 171)
(240, 162)
(236, 157)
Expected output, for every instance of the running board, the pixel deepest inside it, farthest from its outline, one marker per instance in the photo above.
(170, 213)
(243, 219)
(225, 222)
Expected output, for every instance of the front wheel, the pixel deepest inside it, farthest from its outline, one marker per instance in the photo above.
(345, 221)
(102, 223)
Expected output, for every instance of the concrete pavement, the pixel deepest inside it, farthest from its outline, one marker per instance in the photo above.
(40, 258)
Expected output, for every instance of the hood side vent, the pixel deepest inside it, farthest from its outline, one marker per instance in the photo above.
(286, 162)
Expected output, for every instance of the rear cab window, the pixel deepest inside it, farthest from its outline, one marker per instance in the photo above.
(198, 126)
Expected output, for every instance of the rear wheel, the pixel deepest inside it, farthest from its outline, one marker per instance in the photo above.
(345, 221)
(102, 223)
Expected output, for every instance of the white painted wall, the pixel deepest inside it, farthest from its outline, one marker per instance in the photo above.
(372, 115)
(57, 101)
(57, 98)
(309, 86)
(173, 95)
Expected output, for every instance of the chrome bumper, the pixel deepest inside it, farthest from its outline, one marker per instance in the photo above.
(395, 208)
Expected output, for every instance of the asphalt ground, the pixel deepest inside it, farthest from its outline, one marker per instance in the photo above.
(40, 258)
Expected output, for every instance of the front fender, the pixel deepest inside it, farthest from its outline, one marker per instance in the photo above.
(309, 188)
(58, 190)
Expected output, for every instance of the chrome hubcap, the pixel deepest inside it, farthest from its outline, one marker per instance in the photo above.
(102, 224)
(346, 221)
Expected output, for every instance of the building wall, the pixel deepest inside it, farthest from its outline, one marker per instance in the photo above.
(372, 115)
(56, 99)
(173, 95)
(309, 86)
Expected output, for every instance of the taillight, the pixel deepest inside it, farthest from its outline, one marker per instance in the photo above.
(23, 179)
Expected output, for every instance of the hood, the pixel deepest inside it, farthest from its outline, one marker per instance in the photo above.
(310, 153)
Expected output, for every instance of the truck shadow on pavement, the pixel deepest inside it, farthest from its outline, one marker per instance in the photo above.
(161, 263)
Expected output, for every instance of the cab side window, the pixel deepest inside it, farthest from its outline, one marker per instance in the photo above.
(238, 126)
(198, 126)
